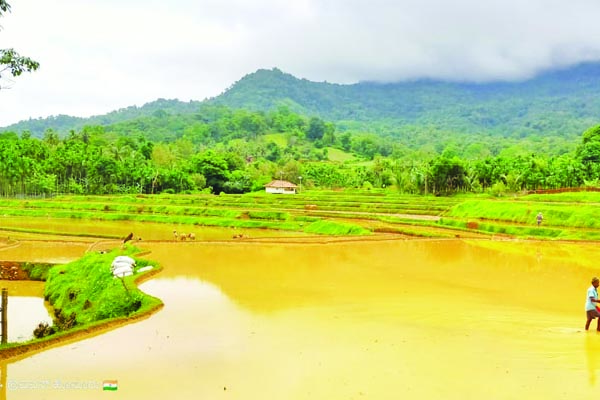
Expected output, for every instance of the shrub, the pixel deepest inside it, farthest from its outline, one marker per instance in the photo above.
(498, 189)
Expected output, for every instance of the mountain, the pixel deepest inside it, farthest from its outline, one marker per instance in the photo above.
(560, 102)
(555, 103)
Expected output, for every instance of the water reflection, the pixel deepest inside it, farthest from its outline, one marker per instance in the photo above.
(173, 354)
(24, 315)
(26, 308)
(3, 377)
(592, 351)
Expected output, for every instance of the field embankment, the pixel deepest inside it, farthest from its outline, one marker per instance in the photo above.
(566, 216)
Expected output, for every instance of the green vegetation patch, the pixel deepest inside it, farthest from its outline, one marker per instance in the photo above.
(576, 197)
(279, 139)
(338, 155)
(269, 215)
(566, 214)
(85, 291)
(37, 271)
(336, 228)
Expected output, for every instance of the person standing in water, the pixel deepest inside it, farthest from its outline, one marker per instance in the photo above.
(590, 304)
(539, 217)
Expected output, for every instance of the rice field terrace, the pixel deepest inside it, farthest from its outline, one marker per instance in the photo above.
(567, 216)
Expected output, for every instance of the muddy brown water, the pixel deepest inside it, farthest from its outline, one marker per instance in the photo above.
(448, 319)
(144, 230)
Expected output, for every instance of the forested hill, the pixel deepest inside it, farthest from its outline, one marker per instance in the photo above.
(556, 102)
(66, 123)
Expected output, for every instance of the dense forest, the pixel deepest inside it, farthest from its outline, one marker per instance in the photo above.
(220, 149)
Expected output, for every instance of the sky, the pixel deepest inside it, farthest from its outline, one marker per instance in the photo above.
(98, 56)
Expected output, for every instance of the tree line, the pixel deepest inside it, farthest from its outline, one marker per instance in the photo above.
(238, 151)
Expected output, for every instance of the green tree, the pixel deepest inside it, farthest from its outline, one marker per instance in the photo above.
(588, 152)
(239, 182)
(214, 168)
(329, 134)
(346, 141)
(12, 62)
(316, 129)
(448, 175)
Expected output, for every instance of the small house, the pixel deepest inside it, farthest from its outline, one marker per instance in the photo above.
(282, 187)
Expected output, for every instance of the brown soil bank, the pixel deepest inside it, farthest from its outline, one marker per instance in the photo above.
(12, 271)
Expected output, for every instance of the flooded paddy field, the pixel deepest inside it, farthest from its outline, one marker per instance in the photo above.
(290, 319)
(119, 229)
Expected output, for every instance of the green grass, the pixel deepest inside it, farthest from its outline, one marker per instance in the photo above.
(269, 215)
(580, 215)
(336, 228)
(577, 197)
(86, 291)
(277, 138)
(566, 215)
(338, 155)
(37, 271)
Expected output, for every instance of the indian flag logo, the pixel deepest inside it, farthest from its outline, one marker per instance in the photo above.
(110, 385)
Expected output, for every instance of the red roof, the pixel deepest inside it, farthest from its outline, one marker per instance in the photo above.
(281, 184)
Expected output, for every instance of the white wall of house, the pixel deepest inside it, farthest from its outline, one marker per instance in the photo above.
(277, 190)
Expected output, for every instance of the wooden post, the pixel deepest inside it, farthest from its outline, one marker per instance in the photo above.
(4, 315)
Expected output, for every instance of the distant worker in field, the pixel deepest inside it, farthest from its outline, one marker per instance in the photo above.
(591, 309)
(175, 235)
(539, 218)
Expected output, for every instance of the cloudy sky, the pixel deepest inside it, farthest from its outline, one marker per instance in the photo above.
(101, 55)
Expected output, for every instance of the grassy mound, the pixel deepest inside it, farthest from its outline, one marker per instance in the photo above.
(88, 299)
(85, 291)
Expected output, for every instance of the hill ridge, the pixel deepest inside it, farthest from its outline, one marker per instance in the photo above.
(555, 102)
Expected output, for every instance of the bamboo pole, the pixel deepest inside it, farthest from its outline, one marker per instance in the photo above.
(4, 315)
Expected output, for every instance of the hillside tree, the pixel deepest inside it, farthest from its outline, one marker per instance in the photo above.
(11, 62)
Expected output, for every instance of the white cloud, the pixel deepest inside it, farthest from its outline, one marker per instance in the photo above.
(98, 56)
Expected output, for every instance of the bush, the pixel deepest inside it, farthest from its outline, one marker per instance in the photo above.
(498, 189)
(44, 329)
(36, 272)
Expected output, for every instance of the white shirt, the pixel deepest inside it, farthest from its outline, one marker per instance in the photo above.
(593, 293)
